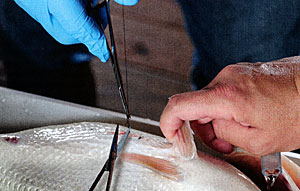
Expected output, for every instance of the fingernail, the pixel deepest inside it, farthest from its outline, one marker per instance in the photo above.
(245, 124)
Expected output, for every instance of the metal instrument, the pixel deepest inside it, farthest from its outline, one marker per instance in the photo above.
(116, 148)
(271, 167)
(109, 164)
(112, 51)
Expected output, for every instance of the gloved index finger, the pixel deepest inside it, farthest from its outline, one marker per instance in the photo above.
(72, 16)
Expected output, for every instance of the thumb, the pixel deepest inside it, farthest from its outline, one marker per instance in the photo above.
(206, 134)
(236, 134)
(80, 26)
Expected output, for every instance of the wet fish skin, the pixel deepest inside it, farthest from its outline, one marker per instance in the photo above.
(68, 157)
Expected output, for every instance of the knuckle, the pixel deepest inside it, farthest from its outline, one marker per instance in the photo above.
(173, 103)
(234, 97)
(226, 91)
(173, 100)
(226, 72)
(229, 69)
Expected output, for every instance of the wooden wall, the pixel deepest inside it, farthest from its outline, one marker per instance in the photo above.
(158, 57)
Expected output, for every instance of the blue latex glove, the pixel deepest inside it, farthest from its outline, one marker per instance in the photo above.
(127, 2)
(68, 22)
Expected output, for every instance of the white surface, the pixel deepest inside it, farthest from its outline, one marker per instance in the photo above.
(295, 157)
(19, 110)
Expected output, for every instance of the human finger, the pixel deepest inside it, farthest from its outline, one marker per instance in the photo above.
(206, 134)
(236, 134)
(209, 103)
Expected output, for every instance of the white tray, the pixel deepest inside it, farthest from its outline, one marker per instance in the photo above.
(19, 110)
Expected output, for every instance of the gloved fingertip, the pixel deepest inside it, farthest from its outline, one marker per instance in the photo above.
(99, 48)
(127, 2)
(104, 57)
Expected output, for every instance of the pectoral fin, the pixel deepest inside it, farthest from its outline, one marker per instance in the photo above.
(292, 169)
(184, 142)
(157, 165)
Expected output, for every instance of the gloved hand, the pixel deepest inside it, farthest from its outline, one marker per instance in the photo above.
(68, 23)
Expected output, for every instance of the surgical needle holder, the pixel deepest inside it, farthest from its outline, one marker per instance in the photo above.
(116, 147)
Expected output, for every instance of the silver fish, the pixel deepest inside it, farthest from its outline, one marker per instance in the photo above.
(69, 157)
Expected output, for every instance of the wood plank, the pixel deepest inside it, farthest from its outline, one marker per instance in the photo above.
(148, 90)
(158, 58)
(155, 45)
(159, 12)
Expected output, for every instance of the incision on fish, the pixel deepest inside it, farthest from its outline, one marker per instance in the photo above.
(12, 139)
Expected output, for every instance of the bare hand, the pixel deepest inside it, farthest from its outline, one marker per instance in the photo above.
(255, 106)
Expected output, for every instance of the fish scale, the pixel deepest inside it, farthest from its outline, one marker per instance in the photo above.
(68, 157)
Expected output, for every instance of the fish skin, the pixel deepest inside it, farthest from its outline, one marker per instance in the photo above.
(69, 157)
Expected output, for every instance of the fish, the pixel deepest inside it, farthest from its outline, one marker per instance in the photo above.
(68, 157)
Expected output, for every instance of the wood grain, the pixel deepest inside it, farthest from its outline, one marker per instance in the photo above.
(158, 58)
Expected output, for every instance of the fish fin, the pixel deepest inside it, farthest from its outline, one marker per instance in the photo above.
(184, 142)
(287, 181)
(163, 167)
(292, 169)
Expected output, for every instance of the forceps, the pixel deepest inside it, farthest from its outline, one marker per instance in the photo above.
(109, 164)
(115, 150)
(94, 11)
(115, 147)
